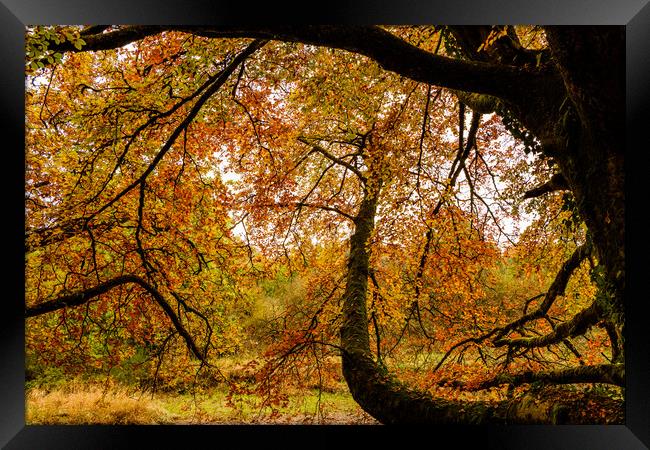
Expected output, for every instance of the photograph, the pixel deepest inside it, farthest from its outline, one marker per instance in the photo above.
(325, 230)
(325, 224)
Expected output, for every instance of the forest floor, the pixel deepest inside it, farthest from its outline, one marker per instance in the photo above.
(55, 398)
(84, 402)
(77, 403)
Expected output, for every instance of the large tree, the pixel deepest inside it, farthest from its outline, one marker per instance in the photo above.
(563, 98)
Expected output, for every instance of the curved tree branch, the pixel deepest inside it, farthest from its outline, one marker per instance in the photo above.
(389, 51)
(556, 289)
(218, 81)
(580, 323)
(85, 296)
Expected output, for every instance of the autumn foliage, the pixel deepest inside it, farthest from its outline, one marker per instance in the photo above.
(189, 199)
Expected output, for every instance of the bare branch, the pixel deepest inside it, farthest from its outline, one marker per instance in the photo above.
(334, 159)
(556, 183)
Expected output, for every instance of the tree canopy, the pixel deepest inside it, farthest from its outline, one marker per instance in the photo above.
(440, 207)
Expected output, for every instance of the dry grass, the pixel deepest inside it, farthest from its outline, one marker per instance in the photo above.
(92, 404)
(79, 403)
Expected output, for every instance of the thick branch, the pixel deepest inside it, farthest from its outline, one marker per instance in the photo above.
(556, 289)
(79, 298)
(597, 89)
(580, 323)
(482, 104)
(96, 40)
(388, 50)
(604, 373)
(556, 183)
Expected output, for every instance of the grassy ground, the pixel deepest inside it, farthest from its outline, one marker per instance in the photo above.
(82, 403)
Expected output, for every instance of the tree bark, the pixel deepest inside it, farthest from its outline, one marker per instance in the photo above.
(591, 61)
(388, 50)
(585, 139)
(392, 402)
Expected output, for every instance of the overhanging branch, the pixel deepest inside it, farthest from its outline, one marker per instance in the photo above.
(83, 297)
(389, 51)
(556, 289)
(580, 323)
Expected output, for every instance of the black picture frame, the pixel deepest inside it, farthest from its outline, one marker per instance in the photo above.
(633, 14)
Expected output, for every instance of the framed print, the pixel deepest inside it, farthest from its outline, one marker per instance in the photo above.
(390, 219)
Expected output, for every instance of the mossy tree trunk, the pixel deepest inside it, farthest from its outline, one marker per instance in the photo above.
(390, 401)
(580, 123)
